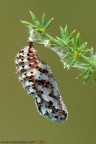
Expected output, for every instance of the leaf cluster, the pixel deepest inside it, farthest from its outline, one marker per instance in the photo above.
(68, 46)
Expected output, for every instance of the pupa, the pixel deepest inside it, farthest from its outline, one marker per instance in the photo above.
(37, 78)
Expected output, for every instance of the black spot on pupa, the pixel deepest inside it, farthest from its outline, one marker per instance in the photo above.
(50, 102)
(44, 71)
(40, 69)
(41, 82)
(28, 58)
(47, 114)
(30, 80)
(50, 94)
(21, 51)
(37, 67)
(33, 87)
(49, 107)
(56, 117)
(41, 92)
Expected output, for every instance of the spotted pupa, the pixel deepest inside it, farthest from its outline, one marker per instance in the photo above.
(37, 78)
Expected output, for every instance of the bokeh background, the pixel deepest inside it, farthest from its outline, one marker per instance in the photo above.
(19, 119)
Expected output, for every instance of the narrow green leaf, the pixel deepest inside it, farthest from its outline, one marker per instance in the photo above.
(83, 73)
(72, 63)
(68, 62)
(28, 24)
(86, 51)
(62, 42)
(86, 78)
(87, 60)
(91, 52)
(43, 19)
(51, 38)
(77, 39)
(83, 65)
(37, 23)
(72, 34)
(73, 43)
(71, 50)
(64, 58)
(83, 46)
(48, 23)
(66, 31)
(61, 31)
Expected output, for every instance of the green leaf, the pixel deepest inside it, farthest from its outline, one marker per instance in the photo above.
(51, 38)
(77, 39)
(82, 47)
(29, 25)
(71, 50)
(43, 19)
(72, 63)
(37, 23)
(68, 62)
(87, 60)
(61, 31)
(86, 51)
(83, 73)
(91, 52)
(73, 43)
(83, 65)
(66, 31)
(86, 78)
(64, 58)
(48, 23)
(72, 34)
(62, 42)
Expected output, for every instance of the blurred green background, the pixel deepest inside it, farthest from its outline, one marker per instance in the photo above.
(19, 119)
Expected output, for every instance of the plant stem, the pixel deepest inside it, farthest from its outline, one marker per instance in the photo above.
(68, 47)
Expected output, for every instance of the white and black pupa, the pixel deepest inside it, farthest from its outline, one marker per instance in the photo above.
(38, 80)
